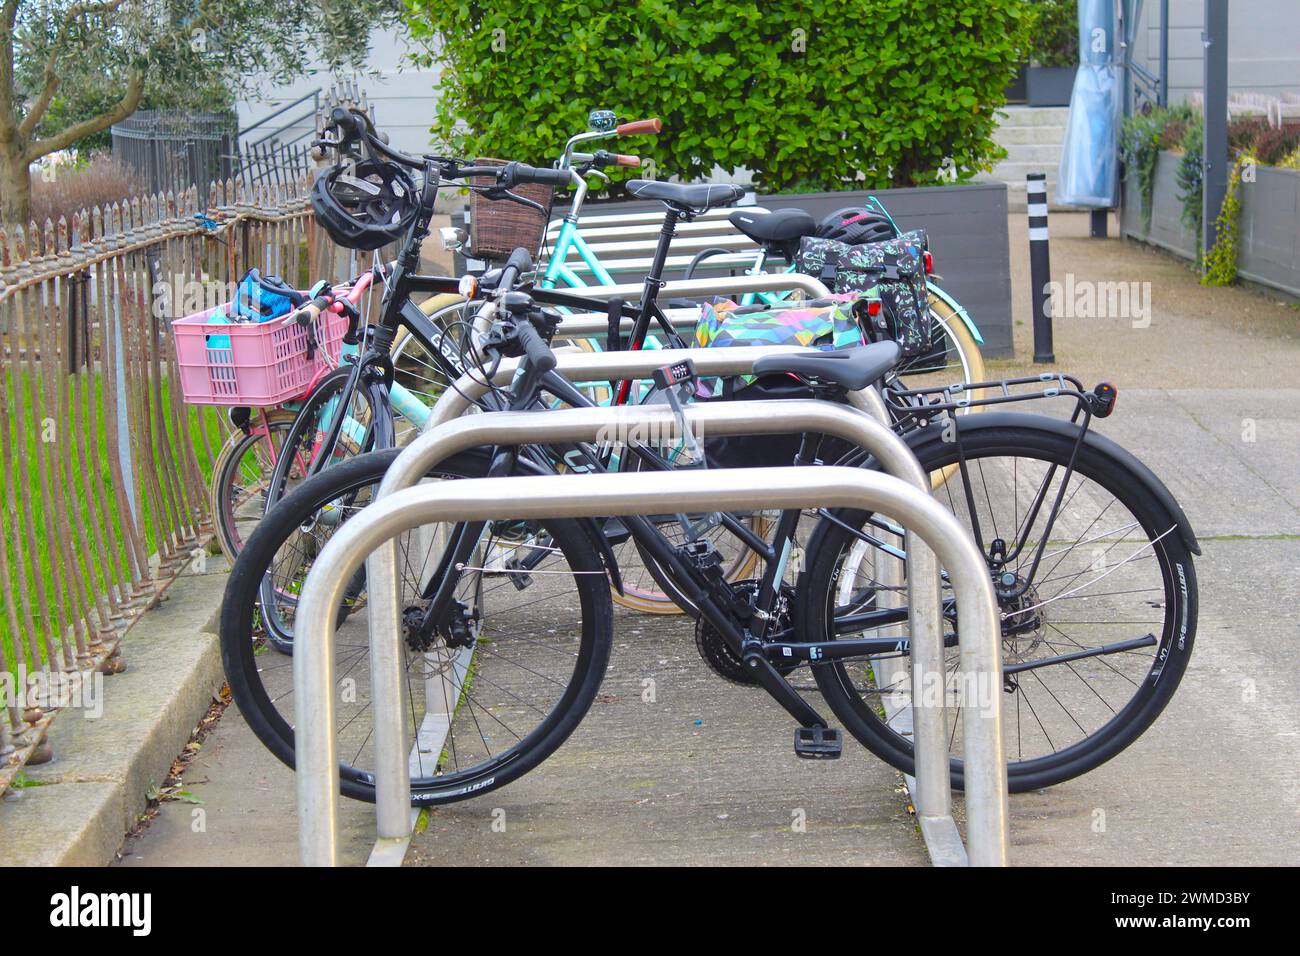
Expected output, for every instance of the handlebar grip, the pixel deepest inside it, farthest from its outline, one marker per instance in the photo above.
(520, 260)
(306, 314)
(623, 159)
(639, 127)
(524, 173)
(540, 357)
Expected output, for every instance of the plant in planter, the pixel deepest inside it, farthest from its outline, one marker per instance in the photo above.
(1141, 139)
(1221, 261)
(1053, 53)
(1192, 181)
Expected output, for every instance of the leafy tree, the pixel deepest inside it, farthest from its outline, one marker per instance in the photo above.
(69, 69)
(811, 94)
(1054, 40)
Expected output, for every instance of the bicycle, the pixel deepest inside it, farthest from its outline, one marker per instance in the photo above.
(509, 676)
(360, 393)
(957, 351)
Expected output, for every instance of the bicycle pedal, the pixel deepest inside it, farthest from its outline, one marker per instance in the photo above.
(818, 743)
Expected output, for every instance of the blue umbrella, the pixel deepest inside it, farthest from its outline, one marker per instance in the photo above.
(1089, 173)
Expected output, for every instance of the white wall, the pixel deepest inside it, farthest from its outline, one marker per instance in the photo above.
(403, 95)
(1263, 45)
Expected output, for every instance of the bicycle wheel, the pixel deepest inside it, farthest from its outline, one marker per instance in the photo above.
(955, 357)
(304, 452)
(1115, 572)
(419, 366)
(536, 604)
(240, 478)
(646, 588)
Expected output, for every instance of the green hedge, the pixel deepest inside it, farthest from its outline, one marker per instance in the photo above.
(804, 94)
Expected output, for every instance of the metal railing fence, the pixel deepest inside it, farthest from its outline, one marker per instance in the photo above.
(174, 150)
(103, 469)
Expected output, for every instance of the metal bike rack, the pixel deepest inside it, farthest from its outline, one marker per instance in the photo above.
(602, 366)
(933, 805)
(585, 324)
(563, 496)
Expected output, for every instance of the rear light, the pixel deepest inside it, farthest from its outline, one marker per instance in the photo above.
(873, 307)
(929, 262)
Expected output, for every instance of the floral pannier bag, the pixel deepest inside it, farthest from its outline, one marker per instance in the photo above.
(893, 268)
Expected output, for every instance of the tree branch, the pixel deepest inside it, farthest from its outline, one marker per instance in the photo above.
(123, 108)
(49, 78)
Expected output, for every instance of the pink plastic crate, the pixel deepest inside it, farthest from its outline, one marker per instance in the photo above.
(265, 364)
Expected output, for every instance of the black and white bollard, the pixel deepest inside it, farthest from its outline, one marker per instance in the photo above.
(1040, 266)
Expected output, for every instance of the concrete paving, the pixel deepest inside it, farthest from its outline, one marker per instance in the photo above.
(705, 774)
(75, 808)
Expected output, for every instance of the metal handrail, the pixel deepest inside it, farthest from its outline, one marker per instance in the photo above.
(314, 96)
(480, 499)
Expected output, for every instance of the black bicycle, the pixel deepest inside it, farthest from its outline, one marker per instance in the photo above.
(508, 624)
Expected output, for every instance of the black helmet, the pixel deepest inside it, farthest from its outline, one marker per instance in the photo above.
(366, 205)
(856, 224)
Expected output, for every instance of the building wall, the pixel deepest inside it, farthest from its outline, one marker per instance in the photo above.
(403, 95)
(1263, 45)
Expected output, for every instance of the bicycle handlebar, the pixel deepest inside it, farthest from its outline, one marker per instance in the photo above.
(520, 262)
(540, 357)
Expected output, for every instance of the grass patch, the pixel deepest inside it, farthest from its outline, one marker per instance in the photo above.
(47, 451)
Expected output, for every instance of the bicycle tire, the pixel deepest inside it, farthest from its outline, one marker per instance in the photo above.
(1168, 658)
(266, 714)
(302, 432)
(228, 468)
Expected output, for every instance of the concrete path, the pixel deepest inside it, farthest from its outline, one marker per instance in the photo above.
(703, 774)
(1215, 781)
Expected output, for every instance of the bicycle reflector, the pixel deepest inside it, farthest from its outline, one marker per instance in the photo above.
(1105, 397)
(929, 262)
(873, 307)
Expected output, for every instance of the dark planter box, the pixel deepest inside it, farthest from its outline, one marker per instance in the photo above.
(1166, 229)
(967, 226)
(1268, 243)
(1049, 85)
(1016, 90)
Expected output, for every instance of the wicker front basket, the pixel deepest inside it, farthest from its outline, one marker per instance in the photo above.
(498, 226)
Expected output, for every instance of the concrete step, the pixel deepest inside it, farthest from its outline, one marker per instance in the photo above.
(1031, 135)
(1034, 116)
(1047, 153)
(1012, 172)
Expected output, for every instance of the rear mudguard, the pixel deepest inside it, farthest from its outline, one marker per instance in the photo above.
(921, 439)
(959, 309)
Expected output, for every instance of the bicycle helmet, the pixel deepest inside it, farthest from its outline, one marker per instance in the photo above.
(366, 205)
(856, 224)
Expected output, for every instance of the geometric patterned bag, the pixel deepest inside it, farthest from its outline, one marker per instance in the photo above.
(894, 268)
(833, 323)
